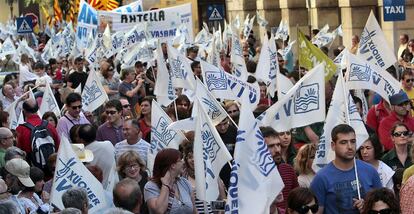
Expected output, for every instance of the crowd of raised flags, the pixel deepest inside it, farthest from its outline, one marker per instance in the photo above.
(128, 34)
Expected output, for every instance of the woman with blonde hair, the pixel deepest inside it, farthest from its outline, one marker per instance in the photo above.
(303, 164)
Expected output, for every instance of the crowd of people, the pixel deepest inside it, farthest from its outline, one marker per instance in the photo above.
(119, 134)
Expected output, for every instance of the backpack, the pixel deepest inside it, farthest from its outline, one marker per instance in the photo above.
(42, 144)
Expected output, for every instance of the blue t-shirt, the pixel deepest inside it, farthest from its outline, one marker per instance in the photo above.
(335, 189)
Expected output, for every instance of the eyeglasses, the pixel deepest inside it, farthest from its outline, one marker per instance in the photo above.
(409, 80)
(76, 107)
(133, 166)
(305, 209)
(404, 134)
(383, 211)
(111, 112)
(126, 106)
(404, 104)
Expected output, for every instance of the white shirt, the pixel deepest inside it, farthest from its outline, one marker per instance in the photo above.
(42, 80)
(104, 158)
(141, 147)
(385, 173)
(25, 74)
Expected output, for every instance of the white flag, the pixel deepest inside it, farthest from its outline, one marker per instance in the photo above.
(93, 94)
(49, 102)
(161, 137)
(163, 86)
(261, 20)
(70, 172)
(364, 75)
(268, 65)
(258, 177)
(181, 73)
(341, 111)
(282, 31)
(236, 57)
(210, 155)
(14, 120)
(7, 48)
(210, 105)
(373, 46)
(187, 124)
(135, 6)
(304, 104)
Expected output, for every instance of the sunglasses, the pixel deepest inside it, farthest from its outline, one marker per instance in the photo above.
(383, 211)
(305, 209)
(76, 107)
(409, 80)
(111, 112)
(231, 112)
(404, 104)
(126, 106)
(404, 134)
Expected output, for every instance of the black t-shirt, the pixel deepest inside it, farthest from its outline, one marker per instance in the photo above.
(78, 77)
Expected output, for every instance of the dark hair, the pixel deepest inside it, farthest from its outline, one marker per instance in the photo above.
(299, 197)
(382, 194)
(397, 180)
(39, 65)
(78, 59)
(73, 97)
(194, 64)
(30, 107)
(162, 163)
(114, 104)
(268, 131)
(125, 72)
(405, 36)
(74, 132)
(50, 114)
(9, 77)
(4, 115)
(378, 150)
(87, 132)
(148, 99)
(183, 98)
(357, 100)
(130, 201)
(398, 124)
(341, 129)
(138, 63)
(52, 61)
(36, 174)
(406, 72)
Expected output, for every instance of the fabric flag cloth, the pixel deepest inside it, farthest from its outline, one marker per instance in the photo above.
(261, 21)
(284, 84)
(49, 102)
(57, 11)
(210, 105)
(210, 155)
(226, 86)
(310, 56)
(180, 70)
(282, 31)
(93, 94)
(268, 65)
(47, 16)
(258, 179)
(14, 120)
(135, 6)
(361, 74)
(161, 136)
(104, 4)
(163, 86)
(303, 104)
(236, 57)
(71, 172)
(342, 110)
(373, 46)
(7, 48)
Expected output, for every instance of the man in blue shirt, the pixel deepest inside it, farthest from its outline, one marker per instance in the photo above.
(335, 186)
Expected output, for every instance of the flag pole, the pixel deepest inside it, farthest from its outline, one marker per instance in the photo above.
(297, 45)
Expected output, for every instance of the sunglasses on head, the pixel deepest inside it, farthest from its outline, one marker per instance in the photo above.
(399, 134)
(305, 209)
(76, 107)
(383, 211)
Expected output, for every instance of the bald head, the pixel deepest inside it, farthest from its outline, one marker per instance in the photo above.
(6, 138)
(127, 195)
(30, 106)
(5, 132)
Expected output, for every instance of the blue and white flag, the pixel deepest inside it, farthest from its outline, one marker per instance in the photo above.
(361, 74)
(282, 31)
(93, 94)
(135, 6)
(248, 25)
(210, 155)
(261, 21)
(342, 111)
(209, 103)
(287, 49)
(180, 70)
(71, 172)
(163, 86)
(49, 102)
(87, 24)
(304, 104)
(161, 136)
(236, 57)
(373, 47)
(268, 65)
(7, 48)
(258, 177)
(13, 118)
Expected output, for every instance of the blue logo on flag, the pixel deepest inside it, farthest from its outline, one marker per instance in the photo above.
(359, 72)
(92, 93)
(213, 110)
(216, 80)
(307, 98)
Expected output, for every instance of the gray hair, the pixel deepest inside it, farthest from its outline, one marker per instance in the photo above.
(117, 211)
(75, 197)
(14, 152)
(130, 199)
(71, 210)
(9, 207)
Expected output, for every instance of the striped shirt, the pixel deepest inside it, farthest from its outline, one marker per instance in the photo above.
(141, 147)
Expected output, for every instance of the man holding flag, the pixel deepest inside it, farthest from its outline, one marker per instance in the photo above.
(339, 187)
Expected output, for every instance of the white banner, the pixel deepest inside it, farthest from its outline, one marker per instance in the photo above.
(87, 24)
(373, 46)
(71, 172)
(268, 65)
(210, 155)
(93, 94)
(364, 75)
(180, 70)
(49, 102)
(162, 23)
(304, 104)
(135, 6)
